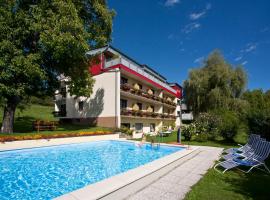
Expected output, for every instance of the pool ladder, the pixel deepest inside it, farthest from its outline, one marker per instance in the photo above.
(156, 143)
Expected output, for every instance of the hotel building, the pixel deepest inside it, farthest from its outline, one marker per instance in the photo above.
(125, 93)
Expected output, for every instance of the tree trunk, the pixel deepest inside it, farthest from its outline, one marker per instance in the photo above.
(9, 114)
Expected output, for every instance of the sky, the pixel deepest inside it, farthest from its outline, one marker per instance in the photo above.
(174, 36)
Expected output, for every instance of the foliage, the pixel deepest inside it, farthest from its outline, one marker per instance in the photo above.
(41, 40)
(207, 126)
(229, 124)
(126, 130)
(258, 114)
(41, 135)
(216, 84)
(45, 101)
(189, 131)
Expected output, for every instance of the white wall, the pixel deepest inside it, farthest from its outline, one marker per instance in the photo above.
(104, 101)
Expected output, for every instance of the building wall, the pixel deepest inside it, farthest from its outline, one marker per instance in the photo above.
(102, 107)
(146, 125)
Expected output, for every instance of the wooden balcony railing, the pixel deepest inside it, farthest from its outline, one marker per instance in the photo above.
(142, 93)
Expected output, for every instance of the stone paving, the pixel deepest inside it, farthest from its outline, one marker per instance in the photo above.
(177, 183)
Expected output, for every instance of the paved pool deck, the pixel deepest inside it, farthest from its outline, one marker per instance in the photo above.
(178, 182)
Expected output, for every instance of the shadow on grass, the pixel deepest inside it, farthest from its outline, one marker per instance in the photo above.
(24, 124)
(255, 185)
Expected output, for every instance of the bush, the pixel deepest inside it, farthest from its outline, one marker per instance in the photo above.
(207, 124)
(189, 131)
(259, 123)
(126, 130)
(229, 124)
(202, 137)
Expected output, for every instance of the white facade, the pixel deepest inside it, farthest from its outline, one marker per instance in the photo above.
(116, 101)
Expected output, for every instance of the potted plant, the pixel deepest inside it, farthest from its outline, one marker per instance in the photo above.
(125, 87)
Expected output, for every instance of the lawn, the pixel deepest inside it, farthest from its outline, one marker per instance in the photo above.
(233, 185)
(215, 143)
(25, 118)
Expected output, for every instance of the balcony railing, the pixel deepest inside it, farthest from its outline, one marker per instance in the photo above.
(187, 116)
(142, 93)
(140, 113)
(135, 67)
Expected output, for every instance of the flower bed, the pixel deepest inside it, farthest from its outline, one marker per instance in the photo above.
(9, 138)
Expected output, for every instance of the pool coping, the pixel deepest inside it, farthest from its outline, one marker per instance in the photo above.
(28, 144)
(107, 186)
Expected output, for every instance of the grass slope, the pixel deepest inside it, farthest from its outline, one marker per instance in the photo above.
(25, 118)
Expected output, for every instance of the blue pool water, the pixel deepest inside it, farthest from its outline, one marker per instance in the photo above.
(48, 172)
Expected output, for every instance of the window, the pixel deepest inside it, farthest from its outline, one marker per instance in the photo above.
(123, 103)
(126, 125)
(152, 127)
(63, 91)
(138, 126)
(123, 81)
(140, 106)
(80, 105)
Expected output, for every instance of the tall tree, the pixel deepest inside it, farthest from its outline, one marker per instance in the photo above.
(216, 84)
(40, 40)
(258, 114)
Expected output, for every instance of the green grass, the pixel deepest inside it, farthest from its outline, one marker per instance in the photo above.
(233, 185)
(173, 138)
(25, 118)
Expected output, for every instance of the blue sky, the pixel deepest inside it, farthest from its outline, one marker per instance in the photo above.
(174, 36)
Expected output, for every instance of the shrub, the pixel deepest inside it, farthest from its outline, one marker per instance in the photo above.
(207, 124)
(229, 124)
(189, 131)
(126, 130)
(202, 137)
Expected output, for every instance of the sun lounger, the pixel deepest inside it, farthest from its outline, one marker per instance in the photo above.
(256, 160)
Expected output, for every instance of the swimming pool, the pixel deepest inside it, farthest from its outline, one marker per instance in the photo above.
(48, 172)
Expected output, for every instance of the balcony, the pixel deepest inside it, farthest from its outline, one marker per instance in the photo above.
(141, 93)
(137, 68)
(187, 116)
(146, 114)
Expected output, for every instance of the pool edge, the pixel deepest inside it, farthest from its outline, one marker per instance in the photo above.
(110, 185)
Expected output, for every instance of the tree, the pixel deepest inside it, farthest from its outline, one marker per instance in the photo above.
(216, 84)
(41, 40)
(258, 114)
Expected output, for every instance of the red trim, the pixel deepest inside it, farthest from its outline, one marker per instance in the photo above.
(123, 67)
(178, 90)
(96, 68)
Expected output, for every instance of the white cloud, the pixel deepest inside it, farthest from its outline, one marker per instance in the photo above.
(191, 27)
(199, 60)
(251, 47)
(171, 2)
(244, 63)
(238, 58)
(198, 15)
(195, 16)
